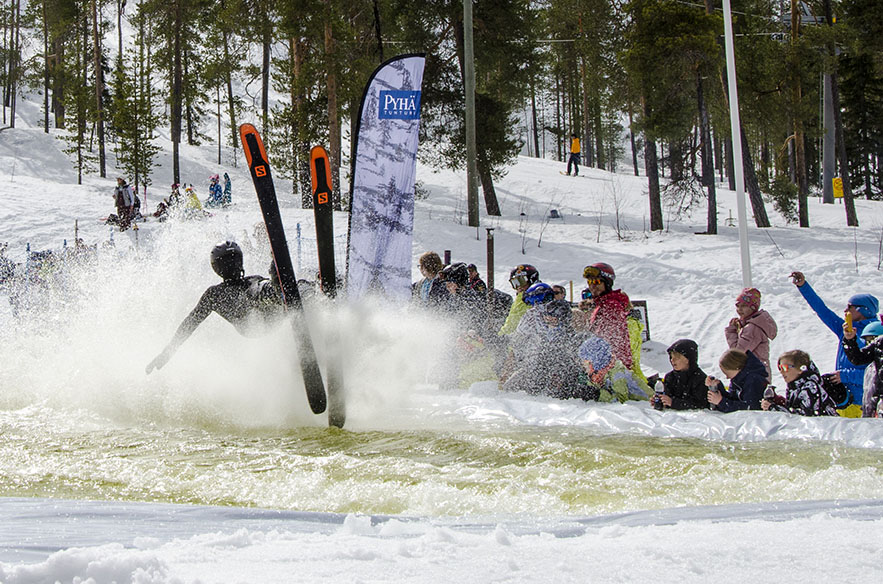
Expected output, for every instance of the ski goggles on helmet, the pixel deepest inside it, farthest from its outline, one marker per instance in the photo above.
(592, 272)
(519, 280)
(594, 281)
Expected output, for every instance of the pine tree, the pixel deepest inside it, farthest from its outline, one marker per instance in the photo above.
(135, 113)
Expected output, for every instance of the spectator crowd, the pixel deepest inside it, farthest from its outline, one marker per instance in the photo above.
(542, 344)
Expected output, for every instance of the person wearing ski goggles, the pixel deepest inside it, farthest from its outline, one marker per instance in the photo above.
(521, 278)
(603, 310)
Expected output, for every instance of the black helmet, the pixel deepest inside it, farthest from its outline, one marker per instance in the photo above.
(456, 273)
(227, 260)
(523, 275)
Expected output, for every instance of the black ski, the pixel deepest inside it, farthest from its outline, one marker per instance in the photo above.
(259, 166)
(320, 175)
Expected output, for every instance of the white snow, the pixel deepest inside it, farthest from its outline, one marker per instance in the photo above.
(689, 282)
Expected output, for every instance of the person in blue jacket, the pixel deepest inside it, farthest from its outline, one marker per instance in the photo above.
(215, 195)
(862, 309)
(748, 380)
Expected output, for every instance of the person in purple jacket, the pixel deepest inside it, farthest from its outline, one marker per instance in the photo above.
(753, 329)
(862, 309)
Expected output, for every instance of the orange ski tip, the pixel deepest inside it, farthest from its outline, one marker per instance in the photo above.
(249, 129)
(316, 153)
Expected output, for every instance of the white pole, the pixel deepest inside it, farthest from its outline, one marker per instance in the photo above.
(736, 132)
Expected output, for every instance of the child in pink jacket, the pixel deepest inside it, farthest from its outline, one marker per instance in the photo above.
(753, 329)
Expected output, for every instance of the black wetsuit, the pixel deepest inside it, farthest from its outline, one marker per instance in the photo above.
(246, 303)
(250, 304)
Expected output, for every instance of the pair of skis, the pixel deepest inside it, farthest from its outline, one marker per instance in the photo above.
(320, 172)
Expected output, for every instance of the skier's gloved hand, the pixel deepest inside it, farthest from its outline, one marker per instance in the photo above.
(158, 362)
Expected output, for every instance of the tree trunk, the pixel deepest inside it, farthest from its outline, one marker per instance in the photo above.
(651, 166)
(632, 141)
(533, 113)
(192, 130)
(175, 98)
(707, 163)
(58, 88)
(848, 200)
(99, 89)
(3, 60)
(597, 122)
(333, 119)
(15, 59)
(377, 33)
(758, 207)
(487, 187)
(558, 120)
(799, 146)
(45, 71)
(231, 102)
(266, 41)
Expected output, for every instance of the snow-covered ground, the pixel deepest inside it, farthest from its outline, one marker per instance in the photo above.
(689, 282)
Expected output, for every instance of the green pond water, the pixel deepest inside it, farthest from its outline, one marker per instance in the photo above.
(497, 471)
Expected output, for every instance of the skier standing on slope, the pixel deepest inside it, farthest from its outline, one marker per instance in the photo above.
(249, 303)
(574, 158)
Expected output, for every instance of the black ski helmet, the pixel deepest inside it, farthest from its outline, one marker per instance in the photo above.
(522, 275)
(227, 260)
(456, 273)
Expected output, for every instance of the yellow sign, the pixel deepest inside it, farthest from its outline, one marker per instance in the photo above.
(838, 187)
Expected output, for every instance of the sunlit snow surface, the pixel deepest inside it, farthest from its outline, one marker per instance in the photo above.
(213, 469)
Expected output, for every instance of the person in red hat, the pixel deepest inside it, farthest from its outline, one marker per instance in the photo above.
(753, 328)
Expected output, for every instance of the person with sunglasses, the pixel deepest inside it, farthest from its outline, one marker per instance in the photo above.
(521, 278)
(603, 311)
(861, 310)
(806, 395)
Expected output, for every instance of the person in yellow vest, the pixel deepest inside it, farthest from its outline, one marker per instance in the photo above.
(574, 155)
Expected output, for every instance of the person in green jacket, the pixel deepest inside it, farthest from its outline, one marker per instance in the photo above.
(521, 278)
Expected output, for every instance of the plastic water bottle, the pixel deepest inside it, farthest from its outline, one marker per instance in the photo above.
(658, 390)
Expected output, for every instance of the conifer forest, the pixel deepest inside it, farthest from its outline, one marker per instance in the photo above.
(642, 82)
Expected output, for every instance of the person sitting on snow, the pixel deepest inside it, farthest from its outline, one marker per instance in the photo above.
(604, 311)
(604, 378)
(748, 381)
(543, 348)
(861, 310)
(522, 277)
(685, 383)
(806, 395)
